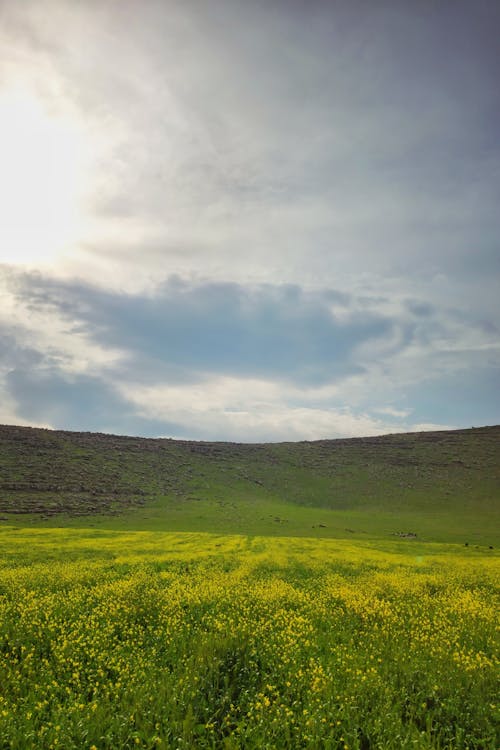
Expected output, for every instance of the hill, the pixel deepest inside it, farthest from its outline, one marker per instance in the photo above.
(437, 486)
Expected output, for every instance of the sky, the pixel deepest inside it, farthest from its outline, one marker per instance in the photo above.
(249, 220)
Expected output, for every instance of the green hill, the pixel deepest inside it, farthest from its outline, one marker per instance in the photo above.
(439, 486)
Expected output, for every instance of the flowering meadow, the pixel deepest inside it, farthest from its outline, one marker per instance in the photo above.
(183, 640)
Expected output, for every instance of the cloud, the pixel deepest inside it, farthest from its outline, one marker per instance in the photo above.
(346, 143)
(31, 323)
(467, 397)
(288, 217)
(80, 403)
(247, 410)
(272, 331)
(14, 355)
(392, 412)
(205, 359)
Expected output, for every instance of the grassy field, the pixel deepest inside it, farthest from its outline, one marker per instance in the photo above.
(184, 640)
(339, 595)
(442, 486)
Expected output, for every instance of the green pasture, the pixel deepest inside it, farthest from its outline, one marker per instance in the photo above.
(443, 486)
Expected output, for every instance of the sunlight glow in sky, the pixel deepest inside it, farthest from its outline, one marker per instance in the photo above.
(40, 181)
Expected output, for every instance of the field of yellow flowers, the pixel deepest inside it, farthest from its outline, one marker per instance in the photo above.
(162, 640)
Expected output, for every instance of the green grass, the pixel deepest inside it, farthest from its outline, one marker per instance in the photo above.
(443, 486)
(183, 640)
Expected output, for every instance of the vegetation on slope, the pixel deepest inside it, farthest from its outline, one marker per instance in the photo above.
(380, 485)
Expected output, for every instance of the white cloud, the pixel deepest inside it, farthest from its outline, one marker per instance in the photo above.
(392, 412)
(255, 410)
(228, 402)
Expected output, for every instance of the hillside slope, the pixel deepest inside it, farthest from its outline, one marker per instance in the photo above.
(63, 476)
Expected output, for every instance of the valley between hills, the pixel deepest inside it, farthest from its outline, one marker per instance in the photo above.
(429, 486)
